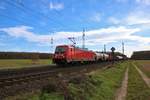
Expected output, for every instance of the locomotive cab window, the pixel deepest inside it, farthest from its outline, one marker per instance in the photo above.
(60, 50)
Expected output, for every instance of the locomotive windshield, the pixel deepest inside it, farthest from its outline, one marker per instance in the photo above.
(60, 50)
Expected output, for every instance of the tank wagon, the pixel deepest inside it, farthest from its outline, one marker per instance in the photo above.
(101, 56)
(119, 57)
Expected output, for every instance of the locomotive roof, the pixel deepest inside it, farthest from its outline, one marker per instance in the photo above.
(73, 47)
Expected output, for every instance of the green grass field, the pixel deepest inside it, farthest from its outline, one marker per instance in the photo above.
(144, 65)
(137, 88)
(21, 63)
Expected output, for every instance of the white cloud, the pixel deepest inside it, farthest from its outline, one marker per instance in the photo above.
(96, 17)
(143, 40)
(145, 2)
(109, 34)
(93, 37)
(113, 20)
(132, 18)
(137, 18)
(56, 6)
(23, 32)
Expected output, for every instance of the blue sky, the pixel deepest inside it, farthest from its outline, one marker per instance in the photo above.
(29, 25)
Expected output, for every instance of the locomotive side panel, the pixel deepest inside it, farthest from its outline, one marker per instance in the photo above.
(83, 55)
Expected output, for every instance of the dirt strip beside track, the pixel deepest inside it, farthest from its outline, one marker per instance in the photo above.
(122, 92)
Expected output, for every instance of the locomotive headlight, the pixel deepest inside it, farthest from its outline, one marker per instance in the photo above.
(56, 56)
(62, 55)
(59, 56)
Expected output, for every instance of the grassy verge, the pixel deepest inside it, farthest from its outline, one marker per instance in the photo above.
(137, 89)
(20, 63)
(97, 85)
(100, 85)
(144, 65)
(38, 96)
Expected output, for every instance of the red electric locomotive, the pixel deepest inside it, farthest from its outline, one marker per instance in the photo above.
(69, 54)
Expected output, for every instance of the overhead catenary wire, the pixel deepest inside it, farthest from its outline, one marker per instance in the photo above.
(34, 13)
(16, 19)
(20, 19)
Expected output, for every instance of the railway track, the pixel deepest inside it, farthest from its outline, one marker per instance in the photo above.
(32, 69)
(8, 79)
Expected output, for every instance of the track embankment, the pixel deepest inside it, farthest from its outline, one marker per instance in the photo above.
(18, 81)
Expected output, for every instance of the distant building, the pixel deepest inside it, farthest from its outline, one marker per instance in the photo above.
(141, 55)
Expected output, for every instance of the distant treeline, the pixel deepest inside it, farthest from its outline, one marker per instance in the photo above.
(141, 55)
(33, 55)
(24, 55)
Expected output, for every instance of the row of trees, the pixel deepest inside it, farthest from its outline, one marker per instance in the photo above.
(141, 55)
(24, 55)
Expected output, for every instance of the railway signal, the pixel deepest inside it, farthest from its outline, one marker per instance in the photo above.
(113, 54)
(113, 49)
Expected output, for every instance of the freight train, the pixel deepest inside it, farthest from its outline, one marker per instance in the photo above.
(68, 54)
